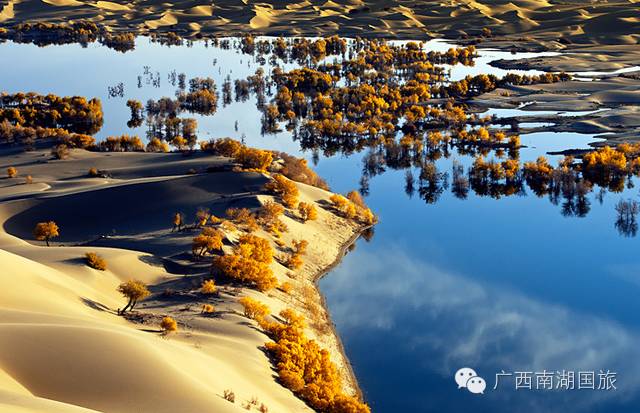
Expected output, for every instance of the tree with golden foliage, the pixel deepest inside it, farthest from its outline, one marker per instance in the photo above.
(276, 228)
(605, 160)
(356, 198)
(269, 213)
(366, 216)
(44, 231)
(95, 261)
(294, 261)
(12, 172)
(136, 118)
(178, 221)
(340, 203)
(286, 189)
(224, 147)
(168, 325)
(254, 159)
(242, 217)
(208, 309)
(123, 143)
(180, 143)
(308, 212)
(189, 130)
(285, 287)
(134, 290)
(249, 262)
(256, 247)
(538, 175)
(353, 207)
(254, 309)
(208, 287)
(156, 145)
(298, 170)
(307, 369)
(209, 240)
(202, 217)
(300, 247)
(60, 151)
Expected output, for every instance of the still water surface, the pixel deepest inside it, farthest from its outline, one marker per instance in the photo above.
(493, 284)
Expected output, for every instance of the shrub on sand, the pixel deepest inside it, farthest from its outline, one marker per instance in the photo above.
(95, 261)
(307, 212)
(208, 287)
(229, 396)
(208, 309)
(254, 309)
(169, 325)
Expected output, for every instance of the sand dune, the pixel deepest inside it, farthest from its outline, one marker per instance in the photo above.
(103, 209)
(262, 19)
(111, 6)
(63, 3)
(7, 12)
(167, 19)
(63, 348)
(624, 97)
(543, 21)
(15, 402)
(203, 10)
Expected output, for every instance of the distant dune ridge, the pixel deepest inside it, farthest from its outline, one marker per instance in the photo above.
(611, 22)
(594, 30)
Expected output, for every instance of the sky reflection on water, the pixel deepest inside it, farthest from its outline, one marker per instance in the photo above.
(491, 284)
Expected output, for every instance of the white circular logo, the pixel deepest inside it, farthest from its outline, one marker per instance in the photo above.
(468, 378)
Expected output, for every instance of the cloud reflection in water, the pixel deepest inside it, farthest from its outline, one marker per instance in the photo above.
(436, 322)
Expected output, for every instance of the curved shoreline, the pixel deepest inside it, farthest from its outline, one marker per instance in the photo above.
(316, 281)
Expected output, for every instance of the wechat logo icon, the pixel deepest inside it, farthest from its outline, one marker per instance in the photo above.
(469, 379)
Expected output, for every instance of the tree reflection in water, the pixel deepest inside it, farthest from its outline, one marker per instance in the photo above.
(626, 222)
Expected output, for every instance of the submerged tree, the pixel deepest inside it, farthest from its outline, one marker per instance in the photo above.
(136, 113)
(189, 132)
(626, 223)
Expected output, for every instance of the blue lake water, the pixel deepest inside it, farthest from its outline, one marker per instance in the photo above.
(492, 284)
